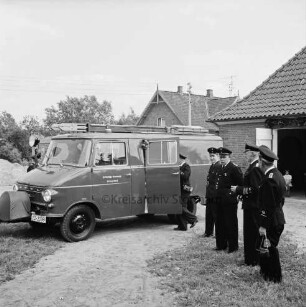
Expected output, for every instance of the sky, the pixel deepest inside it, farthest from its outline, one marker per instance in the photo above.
(121, 50)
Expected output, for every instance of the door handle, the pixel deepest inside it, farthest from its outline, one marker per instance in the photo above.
(176, 173)
(128, 175)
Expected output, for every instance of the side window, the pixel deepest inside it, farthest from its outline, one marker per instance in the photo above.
(155, 152)
(163, 152)
(119, 154)
(110, 153)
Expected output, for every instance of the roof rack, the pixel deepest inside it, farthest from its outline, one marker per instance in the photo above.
(104, 128)
(70, 127)
(178, 129)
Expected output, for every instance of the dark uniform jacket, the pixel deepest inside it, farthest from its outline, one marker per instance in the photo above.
(271, 199)
(184, 177)
(251, 181)
(229, 175)
(211, 191)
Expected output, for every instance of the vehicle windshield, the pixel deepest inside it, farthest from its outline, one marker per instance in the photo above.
(68, 152)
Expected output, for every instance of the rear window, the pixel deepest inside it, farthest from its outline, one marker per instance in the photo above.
(162, 152)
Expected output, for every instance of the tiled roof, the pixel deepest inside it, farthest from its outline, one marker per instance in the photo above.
(282, 94)
(178, 102)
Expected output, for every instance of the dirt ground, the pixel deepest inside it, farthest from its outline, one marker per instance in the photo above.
(109, 269)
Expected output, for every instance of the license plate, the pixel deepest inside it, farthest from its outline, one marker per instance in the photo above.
(38, 218)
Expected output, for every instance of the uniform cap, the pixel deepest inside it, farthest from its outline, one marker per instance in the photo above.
(182, 156)
(224, 151)
(250, 148)
(267, 154)
(213, 150)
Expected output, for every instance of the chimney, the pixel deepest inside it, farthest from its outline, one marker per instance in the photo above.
(210, 93)
(180, 89)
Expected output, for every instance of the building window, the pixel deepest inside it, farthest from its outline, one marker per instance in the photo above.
(161, 122)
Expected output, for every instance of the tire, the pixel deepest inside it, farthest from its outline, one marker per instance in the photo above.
(78, 224)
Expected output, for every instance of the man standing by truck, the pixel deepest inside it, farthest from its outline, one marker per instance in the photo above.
(227, 203)
(211, 192)
(186, 216)
(249, 194)
(271, 196)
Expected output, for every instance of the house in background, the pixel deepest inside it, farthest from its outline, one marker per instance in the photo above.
(171, 108)
(273, 114)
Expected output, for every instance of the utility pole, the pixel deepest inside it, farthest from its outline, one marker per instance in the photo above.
(189, 87)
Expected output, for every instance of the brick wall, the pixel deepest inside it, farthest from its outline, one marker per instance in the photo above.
(160, 110)
(234, 138)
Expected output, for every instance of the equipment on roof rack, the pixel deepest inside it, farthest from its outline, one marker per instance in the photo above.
(105, 128)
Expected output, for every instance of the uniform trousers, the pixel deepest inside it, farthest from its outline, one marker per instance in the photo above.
(270, 267)
(186, 216)
(250, 236)
(210, 216)
(227, 226)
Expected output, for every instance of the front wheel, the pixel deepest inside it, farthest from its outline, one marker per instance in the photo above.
(78, 223)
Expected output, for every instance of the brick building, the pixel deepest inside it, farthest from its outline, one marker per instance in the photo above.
(171, 108)
(273, 114)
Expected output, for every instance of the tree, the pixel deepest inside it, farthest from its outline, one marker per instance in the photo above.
(9, 152)
(31, 124)
(11, 137)
(130, 119)
(7, 124)
(86, 109)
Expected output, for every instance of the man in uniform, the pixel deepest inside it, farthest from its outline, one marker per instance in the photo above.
(186, 216)
(211, 192)
(249, 193)
(271, 200)
(227, 220)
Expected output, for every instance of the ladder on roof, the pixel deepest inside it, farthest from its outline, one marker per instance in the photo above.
(104, 128)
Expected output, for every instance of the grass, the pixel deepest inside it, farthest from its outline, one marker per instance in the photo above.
(21, 247)
(196, 275)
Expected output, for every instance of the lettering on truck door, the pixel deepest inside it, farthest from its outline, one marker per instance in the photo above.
(111, 179)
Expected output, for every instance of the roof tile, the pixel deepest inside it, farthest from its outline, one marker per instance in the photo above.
(282, 94)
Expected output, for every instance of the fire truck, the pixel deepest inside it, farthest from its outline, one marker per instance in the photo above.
(95, 172)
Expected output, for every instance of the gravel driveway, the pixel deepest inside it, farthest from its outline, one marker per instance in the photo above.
(109, 269)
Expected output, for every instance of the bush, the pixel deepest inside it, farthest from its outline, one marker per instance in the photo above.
(10, 153)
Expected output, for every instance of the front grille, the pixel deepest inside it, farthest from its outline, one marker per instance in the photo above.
(34, 192)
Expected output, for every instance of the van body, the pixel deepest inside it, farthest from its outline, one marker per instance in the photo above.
(102, 175)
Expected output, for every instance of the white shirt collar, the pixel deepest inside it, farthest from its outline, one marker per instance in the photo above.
(256, 159)
(182, 163)
(227, 163)
(269, 169)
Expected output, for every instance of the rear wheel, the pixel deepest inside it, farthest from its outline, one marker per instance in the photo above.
(78, 223)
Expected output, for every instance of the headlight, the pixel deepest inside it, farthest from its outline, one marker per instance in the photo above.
(15, 187)
(47, 195)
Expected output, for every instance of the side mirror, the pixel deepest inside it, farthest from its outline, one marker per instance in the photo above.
(33, 140)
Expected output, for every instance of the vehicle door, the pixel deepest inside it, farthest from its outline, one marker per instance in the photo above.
(162, 178)
(111, 178)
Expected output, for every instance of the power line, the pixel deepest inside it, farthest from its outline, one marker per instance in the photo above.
(74, 90)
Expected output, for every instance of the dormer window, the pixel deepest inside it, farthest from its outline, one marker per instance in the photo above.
(161, 122)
